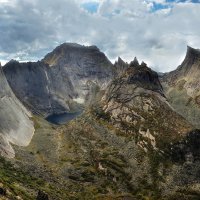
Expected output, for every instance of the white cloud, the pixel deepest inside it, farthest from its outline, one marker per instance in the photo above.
(30, 29)
(4, 1)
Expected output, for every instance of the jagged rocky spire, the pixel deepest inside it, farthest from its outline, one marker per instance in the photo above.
(144, 77)
(120, 66)
(120, 61)
(134, 63)
(191, 60)
(193, 51)
(191, 55)
(143, 64)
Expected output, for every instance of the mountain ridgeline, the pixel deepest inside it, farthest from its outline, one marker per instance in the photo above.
(135, 136)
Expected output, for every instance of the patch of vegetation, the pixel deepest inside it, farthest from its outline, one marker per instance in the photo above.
(36, 123)
(21, 184)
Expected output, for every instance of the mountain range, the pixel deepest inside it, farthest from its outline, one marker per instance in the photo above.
(128, 132)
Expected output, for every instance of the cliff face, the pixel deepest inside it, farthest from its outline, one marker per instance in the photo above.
(41, 89)
(84, 65)
(15, 125)
(182, 86)
(62, 79)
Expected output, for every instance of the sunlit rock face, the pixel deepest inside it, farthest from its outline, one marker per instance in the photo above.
(15, 125)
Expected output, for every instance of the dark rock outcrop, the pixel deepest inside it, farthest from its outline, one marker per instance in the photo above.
(42, 196)
(187, 150)
(144, 77)
(134, 63)
(2, 191)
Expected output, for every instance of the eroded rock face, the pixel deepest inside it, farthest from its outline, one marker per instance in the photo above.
(82, 64)
(41, 88)
(15, 125)
(61, 80)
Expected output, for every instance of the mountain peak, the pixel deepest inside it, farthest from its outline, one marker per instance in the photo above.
(13, 61)
(192, 55)
(143, 64)
(134, 63)
(191, 61)
(144, 77)
(70, 53)
(120, 62)
(192, 50)
(68, 45)
(65, 50)
(120, 66)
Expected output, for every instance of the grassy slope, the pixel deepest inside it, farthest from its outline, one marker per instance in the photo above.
(88, 159)
(183, 104)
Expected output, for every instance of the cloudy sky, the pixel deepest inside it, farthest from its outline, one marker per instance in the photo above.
(156, 31)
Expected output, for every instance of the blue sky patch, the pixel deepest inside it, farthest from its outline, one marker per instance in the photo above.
(192, 1)
(159, 6)
(91, 7)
